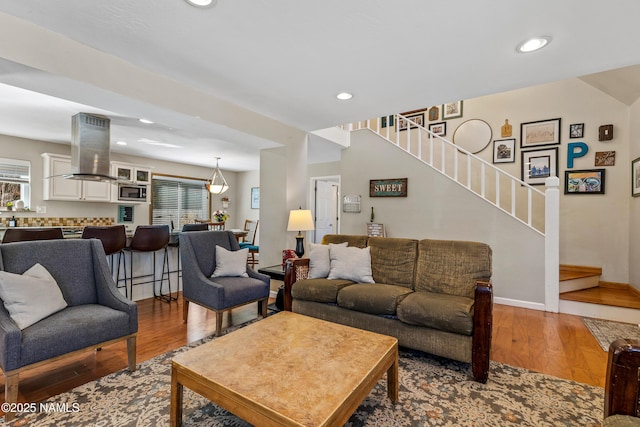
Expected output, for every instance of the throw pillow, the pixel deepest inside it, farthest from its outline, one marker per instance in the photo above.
(351, 263)
(319, 261)
(31, 296)
(230, 263)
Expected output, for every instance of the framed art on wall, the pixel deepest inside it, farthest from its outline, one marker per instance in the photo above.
(576, 130)
(439, 129)
(255, 197)
(504, 150)
(538, 165)
(584, 181)
(635, 177)
(542, 132)
(418, 119)
(452, 110)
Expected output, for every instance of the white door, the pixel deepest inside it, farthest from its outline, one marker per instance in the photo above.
(326, 209)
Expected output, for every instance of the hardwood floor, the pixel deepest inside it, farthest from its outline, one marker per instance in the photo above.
(555, 344)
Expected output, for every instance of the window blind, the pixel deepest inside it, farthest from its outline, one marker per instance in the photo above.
(178, 201)
(14, 171)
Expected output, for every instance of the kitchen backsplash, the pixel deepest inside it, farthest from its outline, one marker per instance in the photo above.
(56, 221)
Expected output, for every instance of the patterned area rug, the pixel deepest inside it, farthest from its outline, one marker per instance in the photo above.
(607, 331)
(433, 392)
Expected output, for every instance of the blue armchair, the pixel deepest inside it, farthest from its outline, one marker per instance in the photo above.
(220, 294)
(97, 314)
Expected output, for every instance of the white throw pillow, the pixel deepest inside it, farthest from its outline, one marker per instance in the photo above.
(230, 263)
(319, 261)
(351, 263)
(32, 296)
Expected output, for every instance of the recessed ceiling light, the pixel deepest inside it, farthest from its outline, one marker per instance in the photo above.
(202, 3)
(121, 143)
(533, 44)
(344, 96)
(147, 121)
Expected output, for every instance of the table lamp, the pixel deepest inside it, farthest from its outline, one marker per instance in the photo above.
(300, 220)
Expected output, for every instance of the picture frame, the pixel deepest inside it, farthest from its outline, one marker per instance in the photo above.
(584, 181)
(538, 165)
(540, 133)
(452, 110)
(635, 177)
(386, 121)
(434, 113)
(605, 158)
(439, 129)
(504, 150)
(402, 123)
(576, 130)
(255, 197)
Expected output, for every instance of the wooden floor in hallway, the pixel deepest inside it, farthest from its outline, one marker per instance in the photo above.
(555, 344)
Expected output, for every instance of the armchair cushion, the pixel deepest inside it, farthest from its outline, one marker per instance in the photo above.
(230, 263)
(31, 296)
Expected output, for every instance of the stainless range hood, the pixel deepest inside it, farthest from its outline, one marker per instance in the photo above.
(90, 145)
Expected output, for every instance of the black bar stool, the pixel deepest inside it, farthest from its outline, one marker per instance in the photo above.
(152, 238)
(114, 240)
(185, 228)
(28, 234)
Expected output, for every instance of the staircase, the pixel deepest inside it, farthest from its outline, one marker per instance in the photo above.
(575, 278)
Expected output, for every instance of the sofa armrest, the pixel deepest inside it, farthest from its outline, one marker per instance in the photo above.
(482, 329)
(295, 269)
(622, 388)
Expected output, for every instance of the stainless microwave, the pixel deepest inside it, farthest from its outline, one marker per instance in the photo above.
(132, 192)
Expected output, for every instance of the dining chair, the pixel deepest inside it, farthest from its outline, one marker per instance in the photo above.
(251, 244)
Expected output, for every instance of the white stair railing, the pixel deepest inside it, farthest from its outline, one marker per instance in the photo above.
(511, 195)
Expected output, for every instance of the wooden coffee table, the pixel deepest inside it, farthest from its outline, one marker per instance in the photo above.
(287, 370)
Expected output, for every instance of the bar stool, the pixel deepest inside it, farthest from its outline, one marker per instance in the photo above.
(28, 234)
(114, 240)
(185, 228)
(152, 238)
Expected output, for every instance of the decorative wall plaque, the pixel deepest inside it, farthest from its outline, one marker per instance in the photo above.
(396, 187)
(605, 133)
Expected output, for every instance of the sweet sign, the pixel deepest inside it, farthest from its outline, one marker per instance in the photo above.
(396, 187)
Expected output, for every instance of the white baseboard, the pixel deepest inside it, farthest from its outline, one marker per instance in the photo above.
(519, 303)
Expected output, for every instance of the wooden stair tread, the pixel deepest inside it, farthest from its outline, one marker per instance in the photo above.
(571, 272)
(616, 297)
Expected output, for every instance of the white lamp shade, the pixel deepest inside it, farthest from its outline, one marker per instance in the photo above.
(217, 184)
(300, 220)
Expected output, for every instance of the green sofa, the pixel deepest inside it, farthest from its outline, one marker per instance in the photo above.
(432, 295)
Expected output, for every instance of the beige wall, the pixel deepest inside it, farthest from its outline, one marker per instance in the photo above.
(634, 208)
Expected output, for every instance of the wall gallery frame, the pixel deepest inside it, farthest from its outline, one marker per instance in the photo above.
(255, 197)
(439, 129)
(504, 150)
(542, 132)
(452, 110)
(417, 118)
(576, 130)
(584, 181)
(635, 177)
(538, 165)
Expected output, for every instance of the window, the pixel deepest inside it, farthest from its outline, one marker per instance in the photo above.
(178, 201)
(14, 181)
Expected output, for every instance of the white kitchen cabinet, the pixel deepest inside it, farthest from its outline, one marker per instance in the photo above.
(129, 173)
(56, 187)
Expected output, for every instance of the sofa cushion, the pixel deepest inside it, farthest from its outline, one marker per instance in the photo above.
(318, 290)
(393, 260)
(452, 267)
(449, 313)
(319, 261)
(350, 264)
(353, 240)
(374, 298)
(31, 296)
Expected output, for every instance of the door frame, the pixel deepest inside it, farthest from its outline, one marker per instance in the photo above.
(312, 199)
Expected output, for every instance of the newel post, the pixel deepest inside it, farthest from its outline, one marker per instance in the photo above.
(552, 244)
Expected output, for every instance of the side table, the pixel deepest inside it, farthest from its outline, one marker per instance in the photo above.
(276, 272)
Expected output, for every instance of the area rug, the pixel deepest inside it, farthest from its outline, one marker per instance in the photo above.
(607, 331)
(433, 392)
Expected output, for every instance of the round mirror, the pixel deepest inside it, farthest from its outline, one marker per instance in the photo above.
(473, 135)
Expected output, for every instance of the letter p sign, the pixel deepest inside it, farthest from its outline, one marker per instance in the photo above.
(574, 151)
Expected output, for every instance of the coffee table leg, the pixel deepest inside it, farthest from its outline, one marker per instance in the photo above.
(175, 419)
(392, 381)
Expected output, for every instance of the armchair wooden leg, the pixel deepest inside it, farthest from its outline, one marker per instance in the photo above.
(263, 307)
(11, 392)
(131, 353)
(185, 309)
(219, 323)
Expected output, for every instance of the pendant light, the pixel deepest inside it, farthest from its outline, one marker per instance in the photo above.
(217, 184)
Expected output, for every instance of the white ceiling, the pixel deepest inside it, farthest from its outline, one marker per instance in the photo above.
(286, 60)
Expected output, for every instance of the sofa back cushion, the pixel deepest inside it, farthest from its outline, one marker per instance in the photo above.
(452, 266)
(352, 240)
(393, 260)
